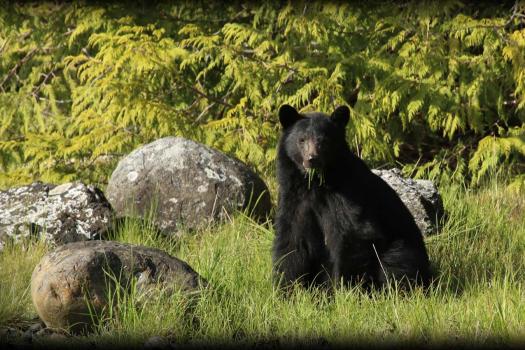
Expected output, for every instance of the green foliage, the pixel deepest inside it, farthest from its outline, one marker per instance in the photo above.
(438, 87)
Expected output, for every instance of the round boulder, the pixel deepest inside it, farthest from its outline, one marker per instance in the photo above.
(185, 184)
(75, 281)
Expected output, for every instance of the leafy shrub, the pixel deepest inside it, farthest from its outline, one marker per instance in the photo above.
(438, 87)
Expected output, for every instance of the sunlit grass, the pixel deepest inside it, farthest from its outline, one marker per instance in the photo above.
(16, 266)
(478, 296)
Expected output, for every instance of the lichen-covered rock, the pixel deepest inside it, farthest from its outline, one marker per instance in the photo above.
(188, 184)
(65, 213)
(420, 196)
(78, 277)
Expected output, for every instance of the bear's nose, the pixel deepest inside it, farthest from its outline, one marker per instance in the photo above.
(313, 159)
(311, 162)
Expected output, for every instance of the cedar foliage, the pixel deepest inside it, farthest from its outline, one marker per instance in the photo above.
(437, 87)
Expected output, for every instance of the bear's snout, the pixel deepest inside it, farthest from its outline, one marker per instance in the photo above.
(311, 162)
(310, 154)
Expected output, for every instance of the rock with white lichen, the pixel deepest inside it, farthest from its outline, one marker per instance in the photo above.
(185, 185)
(420, 196)
(59, 214)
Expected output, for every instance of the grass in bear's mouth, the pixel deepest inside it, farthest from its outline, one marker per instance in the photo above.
(310, 174)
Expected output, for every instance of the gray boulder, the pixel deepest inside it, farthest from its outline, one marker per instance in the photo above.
(60, 214)
(78, 277)
(188, 184)
(420, 196)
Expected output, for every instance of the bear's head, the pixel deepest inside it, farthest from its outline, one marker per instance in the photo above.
(313, 140)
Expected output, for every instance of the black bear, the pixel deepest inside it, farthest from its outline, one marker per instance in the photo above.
(344, 223)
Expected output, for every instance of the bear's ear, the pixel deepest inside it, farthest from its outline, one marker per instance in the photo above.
(341, 116)
(288, 116)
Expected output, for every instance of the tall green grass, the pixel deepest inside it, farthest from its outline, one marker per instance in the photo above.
(478, 296)
(16, 266)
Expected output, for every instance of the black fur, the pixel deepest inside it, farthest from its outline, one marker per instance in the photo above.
(346, 225)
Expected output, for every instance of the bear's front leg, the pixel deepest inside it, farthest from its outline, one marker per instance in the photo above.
(299, 253)
(352, 260)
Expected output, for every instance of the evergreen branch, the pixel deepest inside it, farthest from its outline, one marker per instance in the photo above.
(516, 14)
(210, 106)
(205, 95)
(249, 54)
(204, 111)
(4, 45)
(17, 66)
(210, 97)
(47, 78)
(53, 100)
(205, 21)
